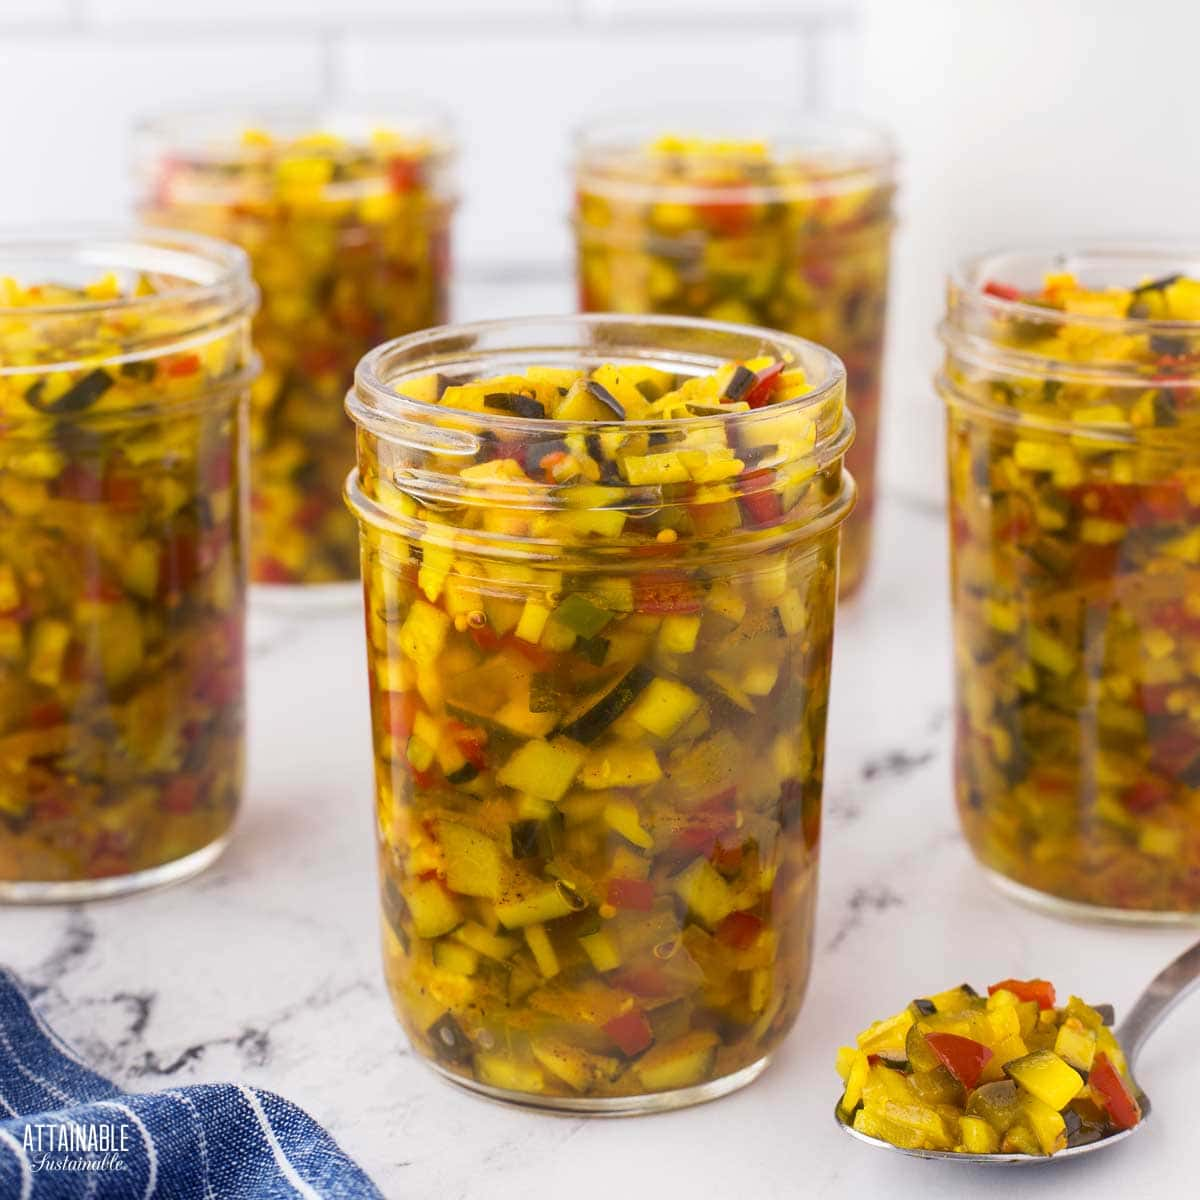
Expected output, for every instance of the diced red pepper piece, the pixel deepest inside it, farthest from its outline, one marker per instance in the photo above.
(539, 658)
(760, 390)
(271, 570)
(762, 506)
(1147, 794)
(1027, 989)
(728, 219)
(403, 174)
(1175, 619)
(631, 893)
(1109, 501)
(1163, 502)
(1119, 1102)
(46, 714)
(471, 743)
(739, 930)
(100, 590)
(179, 565)
(963, 1057)
(726, 858)
(423, 780)
(486, 638)
(631, 1032)
(1173, 752)
(1002, 291)
(179, 796)
(665, 593)
(78, 482)
(399, 710)
(183, 366)
(122, 492)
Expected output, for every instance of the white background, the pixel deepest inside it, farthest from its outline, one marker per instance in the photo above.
(1019, 119)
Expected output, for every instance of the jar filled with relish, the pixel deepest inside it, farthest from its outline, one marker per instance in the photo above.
(735, 216)
(1073, 387)
(125, 368)
(600, 565)
(346, 219)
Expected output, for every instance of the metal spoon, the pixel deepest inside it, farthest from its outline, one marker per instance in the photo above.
(1165, 991)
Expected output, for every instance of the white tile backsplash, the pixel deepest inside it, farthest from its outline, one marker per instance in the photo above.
(517, 98)
(1019, 120)
(66, 145)
(339, 14)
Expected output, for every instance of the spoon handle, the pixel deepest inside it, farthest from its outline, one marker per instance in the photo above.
(1165, 991)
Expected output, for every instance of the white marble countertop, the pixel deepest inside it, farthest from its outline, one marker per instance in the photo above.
(266, 969)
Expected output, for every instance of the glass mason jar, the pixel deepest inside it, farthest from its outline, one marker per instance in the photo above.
(346, 219)
(1073, 386)
(598, 711)
(125, 368)
(746, 218)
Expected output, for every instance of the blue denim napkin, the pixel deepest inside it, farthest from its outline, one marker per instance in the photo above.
(67, 1133)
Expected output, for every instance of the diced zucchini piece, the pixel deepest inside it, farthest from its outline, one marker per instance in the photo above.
(978, 1137)
(530, 901)
(556, 637)
(856, 1065)
(419, 753)
(542, 949)
(1046, 1123)
(705, 892)
(792, 613)
(598, 712)
(724, 598)
(434, 911)
(424, 632)
(474, 864)
(664, 706)
(574, 1066)
(1076, 1044)
(648, 469)
(677, 635)
(887, 1036)
(47, 650)
(620, 766)
(533, 622)
(678, 1064)
(482, 940)
(759, 678)
(623, 818)
(455, 957)
(1044, 1075)
(510, 1074)
(545, 770)
(602, 950)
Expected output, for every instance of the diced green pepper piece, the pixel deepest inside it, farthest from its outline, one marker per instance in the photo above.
(581, 616)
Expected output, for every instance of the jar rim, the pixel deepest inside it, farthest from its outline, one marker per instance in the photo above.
(374, 401)
(210, 281)
(214, 266)
(839, 152)
(210, 135)
(423, 434)
(967, 280)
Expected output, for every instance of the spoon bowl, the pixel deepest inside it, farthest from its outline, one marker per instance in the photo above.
(1163, 993)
